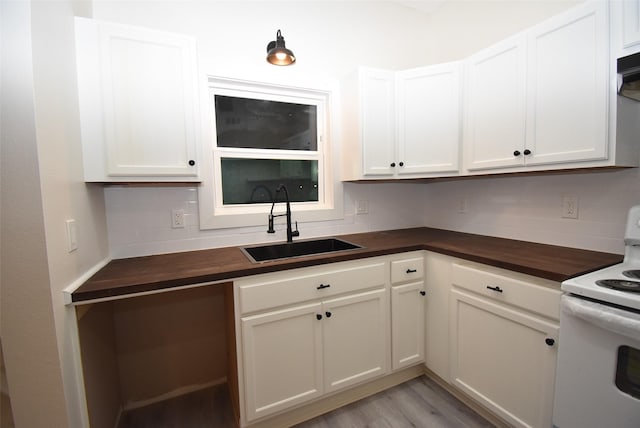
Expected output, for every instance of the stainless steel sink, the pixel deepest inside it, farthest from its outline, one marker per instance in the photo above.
(269, 252)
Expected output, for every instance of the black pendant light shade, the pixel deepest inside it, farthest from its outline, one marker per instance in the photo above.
(278, 54)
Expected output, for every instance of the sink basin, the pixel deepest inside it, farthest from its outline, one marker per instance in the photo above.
(268, 252)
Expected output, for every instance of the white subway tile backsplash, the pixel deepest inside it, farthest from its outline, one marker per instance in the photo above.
(139, 218)
(529, 207)
(519, 207)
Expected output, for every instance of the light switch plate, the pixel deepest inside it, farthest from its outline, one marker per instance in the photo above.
(72, 235)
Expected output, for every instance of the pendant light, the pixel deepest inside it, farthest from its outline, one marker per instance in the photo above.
(278, 54)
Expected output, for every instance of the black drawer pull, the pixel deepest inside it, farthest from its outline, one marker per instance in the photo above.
(498, 289)
(318, 317)
(423, 293)
(322, 286)
(411, 271)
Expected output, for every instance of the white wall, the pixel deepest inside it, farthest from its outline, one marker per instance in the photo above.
(232, 38)
(28, 331)
(529, 208)
(330, 39)
(524, 207)
(139, 219)
(42, 186)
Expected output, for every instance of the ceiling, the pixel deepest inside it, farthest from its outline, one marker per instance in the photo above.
(425, 6)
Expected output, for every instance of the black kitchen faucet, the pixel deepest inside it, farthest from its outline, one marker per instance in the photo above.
(290, 233)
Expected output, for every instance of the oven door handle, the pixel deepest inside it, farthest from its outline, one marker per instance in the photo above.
(620, 321)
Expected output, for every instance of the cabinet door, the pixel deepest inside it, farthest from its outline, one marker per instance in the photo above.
(407, 324)
(428, 119)
(377, 121)
(282, 353)
(139, 102)
(568, 83)
(500, 358)
(630, 26)
(355, 339)
(494, 131)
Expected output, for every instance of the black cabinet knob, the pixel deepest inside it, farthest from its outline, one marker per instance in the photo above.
(516, 152)
(527, 152)
(328, 314)
(192, 162)
(318, 317)
(401, 163)
(423, 293)
(393, 164)
(549, 341)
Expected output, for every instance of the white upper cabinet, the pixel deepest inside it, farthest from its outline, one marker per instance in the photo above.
(138, 97)
(377, 126)
(495, 95)
(545, 99)
(408, 123)
(567, 96)
(428, 120)
(625, 27)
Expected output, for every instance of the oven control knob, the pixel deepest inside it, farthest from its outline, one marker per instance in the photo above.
(549, 341)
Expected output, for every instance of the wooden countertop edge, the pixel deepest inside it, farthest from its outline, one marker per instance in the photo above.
(124, 277)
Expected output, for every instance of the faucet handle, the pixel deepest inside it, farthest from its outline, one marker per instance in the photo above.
(296, 232)
(271, 229)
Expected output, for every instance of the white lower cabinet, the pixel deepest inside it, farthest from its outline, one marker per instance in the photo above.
(299, 353)
(503, 351)
(354, 339)
(282, 359)
(407, 313)
(407, 310)
(309, 332)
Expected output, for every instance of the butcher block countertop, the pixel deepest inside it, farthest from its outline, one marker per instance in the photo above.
(123, 277)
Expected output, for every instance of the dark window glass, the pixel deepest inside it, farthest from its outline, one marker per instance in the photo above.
(253, 181)
(628, 371)
(262, 124)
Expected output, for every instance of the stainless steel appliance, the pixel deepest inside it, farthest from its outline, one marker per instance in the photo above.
(598, 371)
(629, 76)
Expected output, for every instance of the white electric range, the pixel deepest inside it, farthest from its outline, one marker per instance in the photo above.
(598, 370)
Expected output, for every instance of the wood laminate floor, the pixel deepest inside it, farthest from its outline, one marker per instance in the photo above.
(419, 403)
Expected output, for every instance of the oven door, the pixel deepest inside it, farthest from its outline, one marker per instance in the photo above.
(598, 372)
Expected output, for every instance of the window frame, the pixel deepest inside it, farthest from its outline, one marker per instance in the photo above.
(213, 213)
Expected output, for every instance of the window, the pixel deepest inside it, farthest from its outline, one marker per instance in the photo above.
(628, 371)
(263, 136)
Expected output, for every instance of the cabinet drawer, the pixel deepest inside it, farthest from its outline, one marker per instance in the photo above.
(299, 285)
(407, 269)
(524, 294)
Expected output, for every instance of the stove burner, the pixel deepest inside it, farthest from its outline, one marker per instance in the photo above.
(634, 274)
(620, 284)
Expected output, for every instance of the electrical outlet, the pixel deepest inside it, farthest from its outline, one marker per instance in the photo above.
(177, 219)
(569, 207)
(362, 206)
